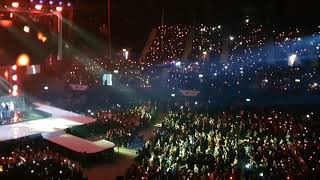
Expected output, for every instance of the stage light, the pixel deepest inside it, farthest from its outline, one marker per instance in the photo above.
(231, 38)
(6, 74)
(14, 93)
(200, 75)
(46, 88)
(173, 95)
(38, 6)
(51, 2)
(69, 4)
(59, 8)
(23, 60)
(15, 87)
(14, 67)
(14, 77)
(292, 59)
(26, 29)
(15, 4)
(248, 166)
(6, 23)
(44, 39)
(41, 37)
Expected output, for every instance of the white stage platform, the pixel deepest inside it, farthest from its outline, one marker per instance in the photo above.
(77, 144)
(59, 120)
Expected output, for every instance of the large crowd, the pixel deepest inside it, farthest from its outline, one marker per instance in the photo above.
(37, 161)
(231, 145)
(118, 124)
(253, 59)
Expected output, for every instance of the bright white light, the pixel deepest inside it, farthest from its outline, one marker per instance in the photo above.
(231, 38)
(173, 95)
(26, 29)
(46, 88)
(297, 80)
(247, 20)
(248, 166)
(200, 75)
(196, 103)
(178, 64)
(59, 8)
(15, 4)
(14, 67)
(292, 59)
(14, 77)
(116, 71)
(261, 174)
(248, 100)
(15, 87)
(315, 84)
(38, 6)
(14, 93)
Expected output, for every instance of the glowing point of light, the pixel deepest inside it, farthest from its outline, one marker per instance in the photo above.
(46, 88)
(68, 4)
(200, 75)
(50, 2)
(261, 174)
(26, 29)
(14, 67)
(6, 74)
(14, 93)
(247, 20)
(248, 100)
(231, 38)
(59, 8)
(116, 71)
(297, 80)
(38, 6)
(248, 166)
(15, 87)
(23, 60)
(173, 95)
(15, 4)
(292, 59)
(178, 64)
(14, 77)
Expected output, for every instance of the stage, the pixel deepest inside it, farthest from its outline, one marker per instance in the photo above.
(77, 144)
(59, 120)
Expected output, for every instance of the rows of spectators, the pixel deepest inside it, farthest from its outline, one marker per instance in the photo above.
(119, 125)
(230, 145)
(37, 161)
(253, 59)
